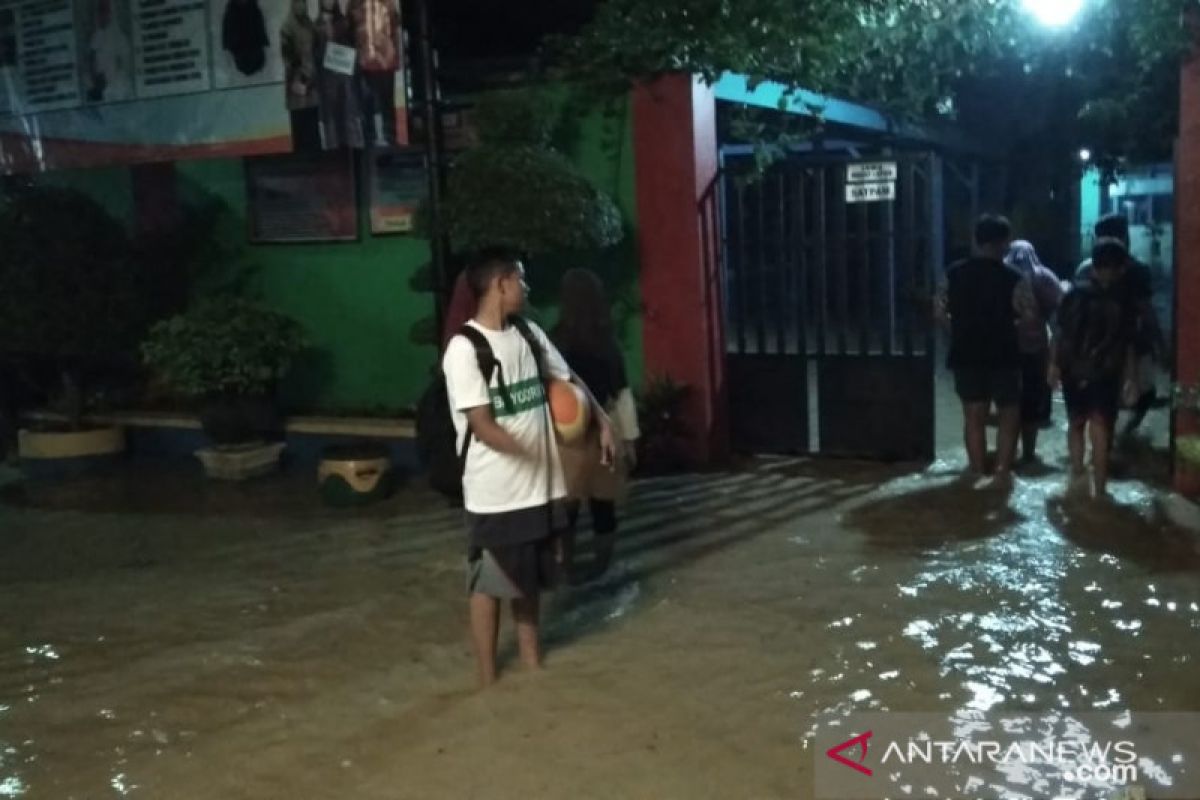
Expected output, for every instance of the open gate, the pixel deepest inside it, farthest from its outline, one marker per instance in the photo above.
(828, 277)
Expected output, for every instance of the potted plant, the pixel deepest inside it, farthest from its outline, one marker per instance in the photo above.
(664, 433)
(73, 304)
(1186, 400)
(228, 355)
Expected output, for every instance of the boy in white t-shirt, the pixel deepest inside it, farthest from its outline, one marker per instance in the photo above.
(512, 478)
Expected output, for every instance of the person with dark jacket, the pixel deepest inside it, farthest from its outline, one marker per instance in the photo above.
(1094, 358)
(1135, 287)
(585, 337)
(986, 301)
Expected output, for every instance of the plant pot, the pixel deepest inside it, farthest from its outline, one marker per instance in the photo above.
(235, 420)
(240, 462)
(49, 451)
(355, 475)
(1187, 465)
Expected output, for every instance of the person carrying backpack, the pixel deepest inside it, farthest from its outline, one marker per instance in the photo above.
(1094, 358)
(512, 477)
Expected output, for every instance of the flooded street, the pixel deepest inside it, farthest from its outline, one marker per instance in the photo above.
(242, 643)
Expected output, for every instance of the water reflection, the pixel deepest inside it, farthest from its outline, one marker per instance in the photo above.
(260, 657)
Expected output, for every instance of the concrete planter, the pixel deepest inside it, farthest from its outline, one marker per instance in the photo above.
(241, 462)
(49, 452)
(355, 475)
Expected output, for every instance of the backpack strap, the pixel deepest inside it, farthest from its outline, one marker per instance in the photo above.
(522, 326)
(488, 364)
(535, 344)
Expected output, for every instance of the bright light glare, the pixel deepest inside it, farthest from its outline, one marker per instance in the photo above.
(1085, 155)
(1054, 13)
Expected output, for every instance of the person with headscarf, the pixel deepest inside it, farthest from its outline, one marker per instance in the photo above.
(586, 338)
(1034, 341)
(297, 42)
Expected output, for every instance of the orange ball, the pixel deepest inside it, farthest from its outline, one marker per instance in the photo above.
(569, 409)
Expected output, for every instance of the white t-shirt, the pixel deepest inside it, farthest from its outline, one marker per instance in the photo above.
(495, 482)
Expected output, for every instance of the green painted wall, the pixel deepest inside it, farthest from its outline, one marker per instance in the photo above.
(111, 186)
(354, 299)
(604, 153)
(600, 143)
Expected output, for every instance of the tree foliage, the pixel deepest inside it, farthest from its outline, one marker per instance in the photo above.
(515, 189)
(70, 289)
(1117, 62)
(224, 346)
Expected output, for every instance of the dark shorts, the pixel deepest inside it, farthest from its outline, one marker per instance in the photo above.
(514, 554)
(514, 571)
(1035, 391)
(988, 385)
(1101, 397)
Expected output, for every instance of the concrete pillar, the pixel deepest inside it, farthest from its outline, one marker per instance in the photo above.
(675, 147)
(1187, 246)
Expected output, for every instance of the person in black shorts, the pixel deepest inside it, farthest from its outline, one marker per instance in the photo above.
(1094, 358)
(1136, 288)
(986, 300)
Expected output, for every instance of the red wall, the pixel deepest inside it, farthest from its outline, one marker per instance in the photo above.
(675, 146)
(1187, 246)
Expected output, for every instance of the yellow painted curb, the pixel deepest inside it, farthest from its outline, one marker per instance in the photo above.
(42, 445)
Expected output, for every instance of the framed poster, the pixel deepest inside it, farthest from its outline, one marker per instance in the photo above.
(399, 180)
(302, 197)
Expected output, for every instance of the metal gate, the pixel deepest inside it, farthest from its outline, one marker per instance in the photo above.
(829, 266)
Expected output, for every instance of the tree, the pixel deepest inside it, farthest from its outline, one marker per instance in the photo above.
(1117, 64)
(515, 189)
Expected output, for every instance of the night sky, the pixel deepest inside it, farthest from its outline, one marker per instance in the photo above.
(488, 29)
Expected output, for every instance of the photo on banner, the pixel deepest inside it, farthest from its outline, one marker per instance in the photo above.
(343, 74)
(105, 48)
(245, 37)
(135, 81)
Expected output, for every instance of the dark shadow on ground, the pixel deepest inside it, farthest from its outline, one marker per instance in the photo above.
(708, 517)
(1124, 532)
(934, 516)
(1138, 458)
(148, 487)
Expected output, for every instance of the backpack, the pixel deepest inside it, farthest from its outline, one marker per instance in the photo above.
(1093, 334)
(437, 438)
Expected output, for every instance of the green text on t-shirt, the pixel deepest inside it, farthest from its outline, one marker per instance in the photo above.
(525, 396)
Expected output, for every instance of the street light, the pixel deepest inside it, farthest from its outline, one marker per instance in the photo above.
(1085, 155)
(1054, 13)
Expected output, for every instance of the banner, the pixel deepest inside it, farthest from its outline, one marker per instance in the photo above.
(99, 82)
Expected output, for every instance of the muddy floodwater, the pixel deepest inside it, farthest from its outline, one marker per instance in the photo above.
(166, 638)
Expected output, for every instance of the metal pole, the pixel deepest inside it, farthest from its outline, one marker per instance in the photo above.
(431, 111)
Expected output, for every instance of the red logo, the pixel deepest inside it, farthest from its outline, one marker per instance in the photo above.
(836, 753)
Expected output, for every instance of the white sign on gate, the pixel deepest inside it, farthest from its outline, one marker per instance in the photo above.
(870, 192)
(872, 172)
